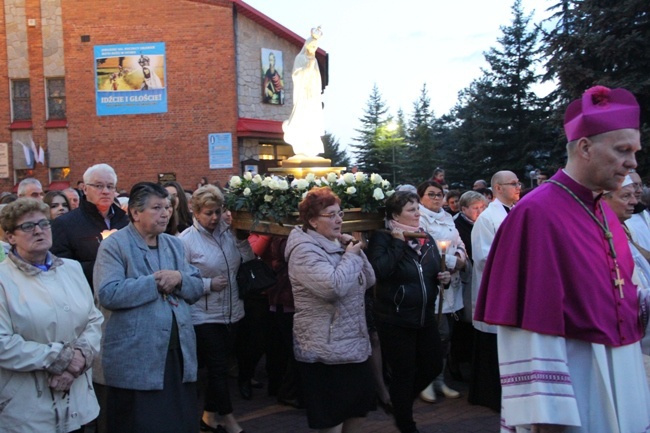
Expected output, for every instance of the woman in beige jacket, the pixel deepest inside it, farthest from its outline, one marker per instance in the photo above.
(49, 330)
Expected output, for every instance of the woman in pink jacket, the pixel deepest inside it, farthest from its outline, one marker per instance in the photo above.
(329, 275)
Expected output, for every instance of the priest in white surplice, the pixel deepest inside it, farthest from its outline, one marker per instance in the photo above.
(558, 282)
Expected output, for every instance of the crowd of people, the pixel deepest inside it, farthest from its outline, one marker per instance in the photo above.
(109, 310)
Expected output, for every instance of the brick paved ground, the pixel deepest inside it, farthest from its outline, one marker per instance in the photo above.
(263, 415)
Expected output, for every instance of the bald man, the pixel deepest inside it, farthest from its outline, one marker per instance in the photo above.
(485, 388)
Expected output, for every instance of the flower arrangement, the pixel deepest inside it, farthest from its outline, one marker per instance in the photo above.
(275, 198)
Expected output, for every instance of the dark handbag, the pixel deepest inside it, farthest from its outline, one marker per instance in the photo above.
(254, 276)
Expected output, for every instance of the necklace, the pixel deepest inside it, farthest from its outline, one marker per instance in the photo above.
(604, 226)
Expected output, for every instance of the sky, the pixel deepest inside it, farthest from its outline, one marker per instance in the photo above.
(399, 46)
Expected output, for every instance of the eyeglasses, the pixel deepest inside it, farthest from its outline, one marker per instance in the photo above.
(435, 195)
(100, 187)
(333, 215)
(515, 184)
(29, 227)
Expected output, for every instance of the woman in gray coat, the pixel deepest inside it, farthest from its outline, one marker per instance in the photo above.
(329, 275)
(145, 287)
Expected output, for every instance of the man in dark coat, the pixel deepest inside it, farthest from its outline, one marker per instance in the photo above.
(77, 234)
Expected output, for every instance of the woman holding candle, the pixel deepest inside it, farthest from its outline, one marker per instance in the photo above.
(440, 225)
(145, 287)
(408, 274)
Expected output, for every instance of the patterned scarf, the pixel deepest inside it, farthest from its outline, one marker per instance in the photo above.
(415, 243)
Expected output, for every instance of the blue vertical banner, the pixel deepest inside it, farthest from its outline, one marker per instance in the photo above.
(220, 150)
(130, 79)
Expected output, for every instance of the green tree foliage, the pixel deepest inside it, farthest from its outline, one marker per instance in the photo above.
(605, 42)
(367, 153)
(500, 123)
(333, 151)
(422, 140)
(391, 147)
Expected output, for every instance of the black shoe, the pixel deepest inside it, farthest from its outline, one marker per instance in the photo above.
(246, 389)
(217, 429)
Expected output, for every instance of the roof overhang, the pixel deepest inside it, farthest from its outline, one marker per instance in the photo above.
(247, 127)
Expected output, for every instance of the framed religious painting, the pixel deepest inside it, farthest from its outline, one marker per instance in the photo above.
(272, 77)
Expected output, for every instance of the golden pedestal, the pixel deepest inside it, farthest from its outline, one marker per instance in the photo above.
(301, 165)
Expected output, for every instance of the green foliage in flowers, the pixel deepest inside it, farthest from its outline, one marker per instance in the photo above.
(274, 198)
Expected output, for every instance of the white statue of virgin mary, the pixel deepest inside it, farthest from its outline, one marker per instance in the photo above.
(305, 126)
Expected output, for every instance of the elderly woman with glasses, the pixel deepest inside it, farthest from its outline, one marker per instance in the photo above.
(145, 287)
(329, 275)
(211, 246)
(49, 329)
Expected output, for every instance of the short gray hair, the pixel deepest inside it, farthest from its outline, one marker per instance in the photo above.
(140, 194)
(72, 190)
(22, 186)
(99, 168)
(470, 197)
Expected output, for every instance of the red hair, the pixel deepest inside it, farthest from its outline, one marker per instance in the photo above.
(313, 204)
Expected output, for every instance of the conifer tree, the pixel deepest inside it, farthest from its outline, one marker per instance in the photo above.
(367, 154)
(333, 151)
(501, 123)
(601, 42)
(421, 140)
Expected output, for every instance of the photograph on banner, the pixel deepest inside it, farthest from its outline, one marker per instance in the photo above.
(272, 77)
(130, 79)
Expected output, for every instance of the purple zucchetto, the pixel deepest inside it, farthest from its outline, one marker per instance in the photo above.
(601, 110)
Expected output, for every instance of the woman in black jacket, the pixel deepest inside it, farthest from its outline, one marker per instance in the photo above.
(408, 274)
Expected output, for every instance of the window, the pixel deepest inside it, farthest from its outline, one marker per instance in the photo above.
(21, 102)
(56, 98)
(59, 173)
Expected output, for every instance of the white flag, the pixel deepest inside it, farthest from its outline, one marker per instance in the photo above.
(41, 155)
(29, 161)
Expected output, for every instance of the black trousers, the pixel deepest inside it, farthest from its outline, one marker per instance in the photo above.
(252, 335)
(414, 356)
(284, 377)
(214, 344)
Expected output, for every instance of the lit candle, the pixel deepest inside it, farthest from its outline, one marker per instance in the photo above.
(443, 244)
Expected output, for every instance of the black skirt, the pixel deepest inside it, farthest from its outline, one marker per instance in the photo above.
(170, 410)
(485, 387)
(335, 393)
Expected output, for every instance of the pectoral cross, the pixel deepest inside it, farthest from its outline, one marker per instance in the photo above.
(618, 282)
